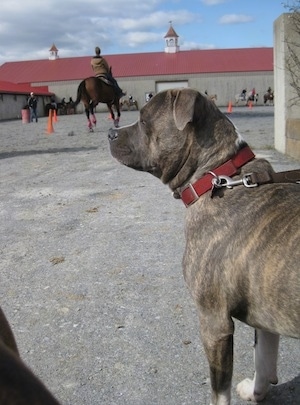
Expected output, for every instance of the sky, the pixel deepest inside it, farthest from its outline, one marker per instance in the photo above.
(29, 28)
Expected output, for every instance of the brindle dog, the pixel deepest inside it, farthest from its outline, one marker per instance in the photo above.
(242, 255)
(18, 385)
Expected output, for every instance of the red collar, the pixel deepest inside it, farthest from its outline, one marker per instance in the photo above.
(190, 193)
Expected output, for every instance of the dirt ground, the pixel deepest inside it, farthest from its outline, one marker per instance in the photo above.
(91, 277)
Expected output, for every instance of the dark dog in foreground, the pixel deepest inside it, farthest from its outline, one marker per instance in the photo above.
(18, 385)
(242, 255)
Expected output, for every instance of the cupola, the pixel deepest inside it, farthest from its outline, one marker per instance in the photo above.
(171, 40)
(53, 53)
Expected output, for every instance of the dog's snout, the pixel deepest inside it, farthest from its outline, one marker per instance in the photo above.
(112, 134)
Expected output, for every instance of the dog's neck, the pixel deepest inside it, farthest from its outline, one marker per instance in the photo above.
(191, 192)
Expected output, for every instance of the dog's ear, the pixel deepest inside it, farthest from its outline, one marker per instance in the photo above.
(183, 106)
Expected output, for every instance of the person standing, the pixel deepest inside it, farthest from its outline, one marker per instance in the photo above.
(243, 94)
(32, 103)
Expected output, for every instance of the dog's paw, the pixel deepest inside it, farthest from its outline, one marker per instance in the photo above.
(246, 391)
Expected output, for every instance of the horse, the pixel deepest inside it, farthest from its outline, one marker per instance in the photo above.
(252, 97)
(94, 90)
(213, 97)
(246, 98)
(61, 106)
(50, 106)
(269, 97)
(53, 105)
(129, 104)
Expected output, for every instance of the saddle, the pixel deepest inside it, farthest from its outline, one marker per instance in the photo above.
(104, 79)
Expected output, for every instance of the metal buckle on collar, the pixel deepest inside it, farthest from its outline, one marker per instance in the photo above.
(226, 181)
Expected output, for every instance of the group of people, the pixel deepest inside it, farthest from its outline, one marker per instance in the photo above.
(253, 92)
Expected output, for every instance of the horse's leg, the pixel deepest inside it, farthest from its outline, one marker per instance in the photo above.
(117, 120)
(94, 119)
(112, 115)
(89, 122)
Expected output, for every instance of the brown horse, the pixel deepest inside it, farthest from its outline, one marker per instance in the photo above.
(94, 90)
(269, 97)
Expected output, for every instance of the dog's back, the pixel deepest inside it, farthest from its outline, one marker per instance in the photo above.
(18, 385)
(248, 247)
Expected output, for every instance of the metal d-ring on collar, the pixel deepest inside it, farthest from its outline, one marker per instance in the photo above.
(226, 181)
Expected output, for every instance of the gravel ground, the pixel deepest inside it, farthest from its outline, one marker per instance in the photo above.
(91, 277)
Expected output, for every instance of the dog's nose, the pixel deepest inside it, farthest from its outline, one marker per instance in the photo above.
(112, 134)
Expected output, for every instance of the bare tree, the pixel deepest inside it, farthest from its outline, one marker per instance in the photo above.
(292, 62)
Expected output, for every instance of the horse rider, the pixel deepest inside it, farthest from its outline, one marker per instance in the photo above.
(131, 99)
(53, 103)
(269, 90)
(243, 94)
(101, 68)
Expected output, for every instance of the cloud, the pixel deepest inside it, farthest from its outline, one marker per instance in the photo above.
(190, 45)
(152, 21)
(28, 29)
(139, 38)
(235, 19)
(75, 27)
(213, 2)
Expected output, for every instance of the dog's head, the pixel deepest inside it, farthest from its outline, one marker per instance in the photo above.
(180, 134)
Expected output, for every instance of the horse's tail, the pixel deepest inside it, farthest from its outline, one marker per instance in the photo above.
(81, 92)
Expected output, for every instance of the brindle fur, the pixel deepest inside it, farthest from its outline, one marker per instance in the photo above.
(242, 246)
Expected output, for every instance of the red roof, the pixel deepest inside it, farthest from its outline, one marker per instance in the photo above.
(14, 88)
(142, 64)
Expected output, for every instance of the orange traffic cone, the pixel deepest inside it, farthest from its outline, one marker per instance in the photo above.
(229, 108)
(250, 105)
(50, 129)
(54, 116)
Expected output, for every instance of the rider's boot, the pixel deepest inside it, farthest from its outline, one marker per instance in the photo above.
(120, 92)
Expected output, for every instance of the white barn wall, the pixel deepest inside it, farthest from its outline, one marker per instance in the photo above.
(11, 105)
(226, 86)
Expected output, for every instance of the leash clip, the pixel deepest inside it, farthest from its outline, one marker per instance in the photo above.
(226, 181)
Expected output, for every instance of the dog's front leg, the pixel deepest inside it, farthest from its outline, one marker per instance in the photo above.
(265, 358)
(218, 345)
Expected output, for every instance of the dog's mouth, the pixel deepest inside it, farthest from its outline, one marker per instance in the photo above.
(128, 155)
(128, 158)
